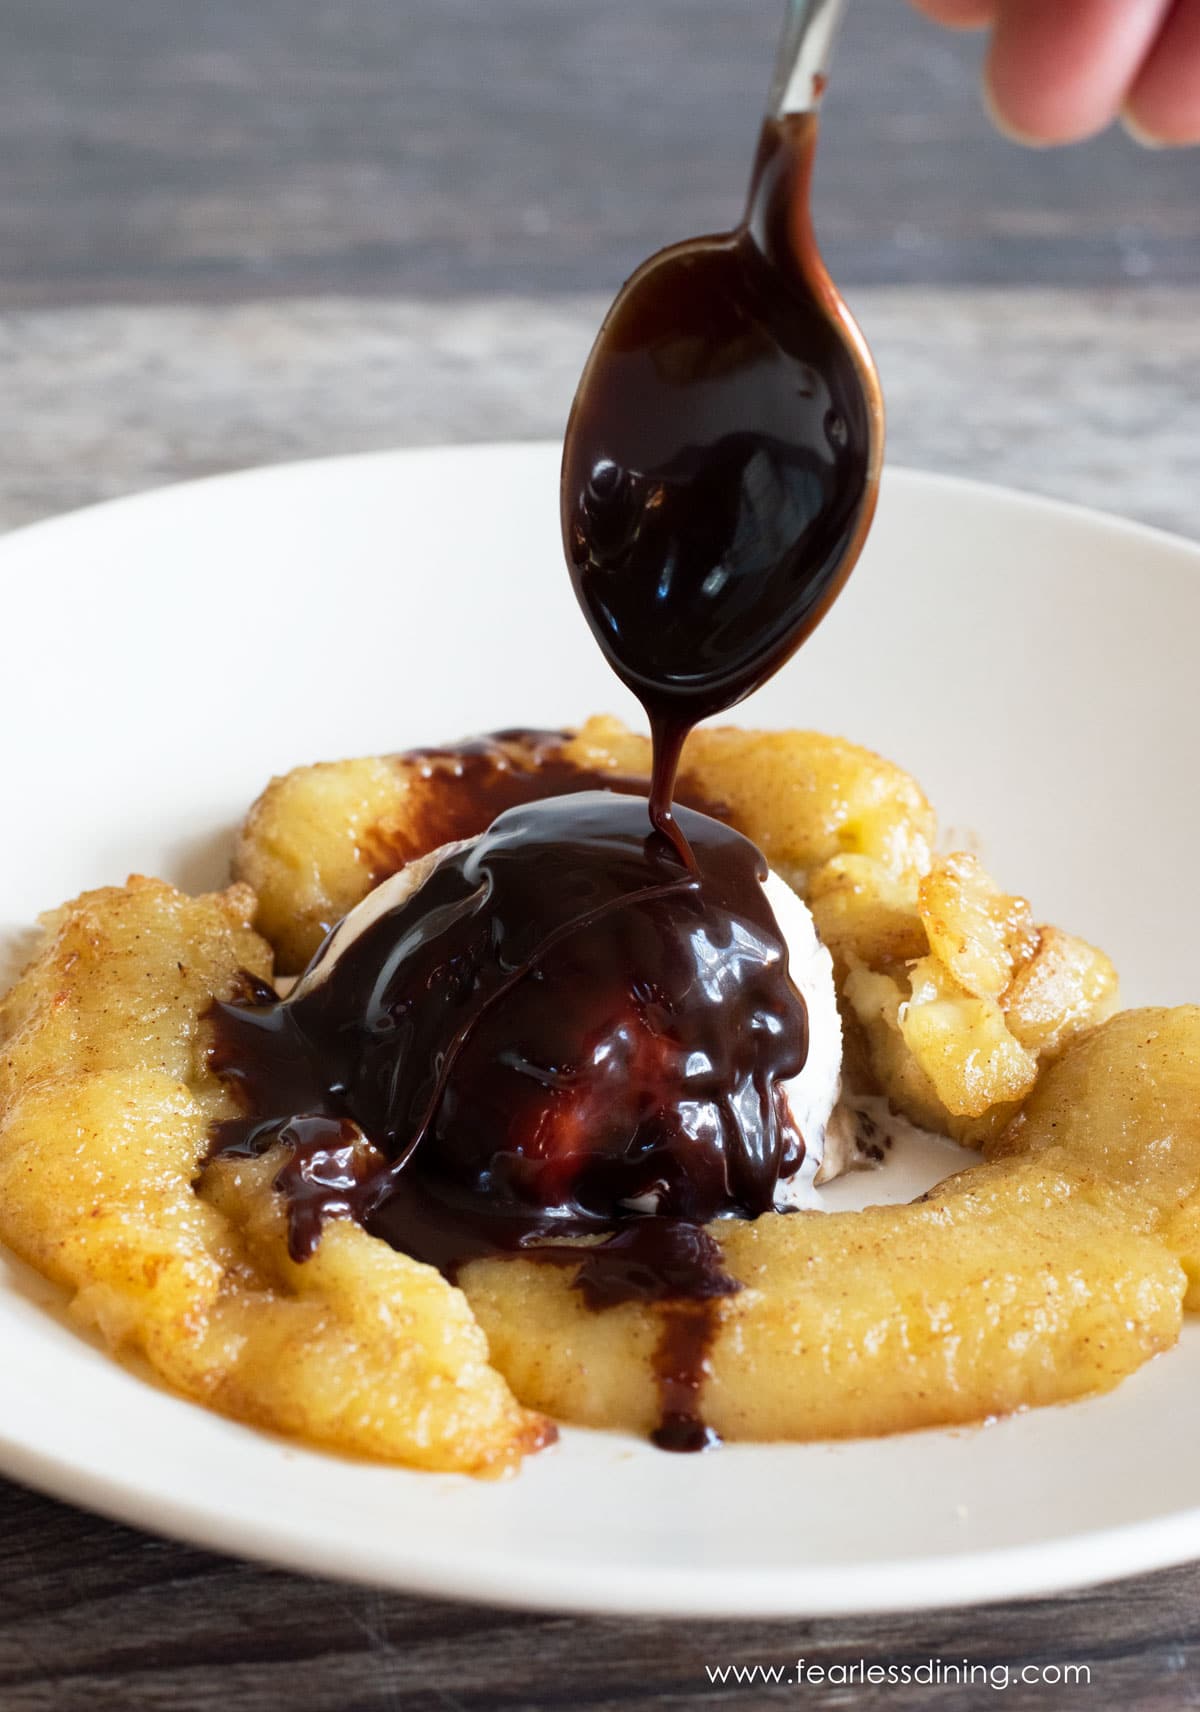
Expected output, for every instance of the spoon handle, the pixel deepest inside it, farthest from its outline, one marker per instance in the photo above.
(805, 50)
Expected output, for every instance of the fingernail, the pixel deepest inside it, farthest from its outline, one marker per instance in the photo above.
(1134, 130)
(1004, 124)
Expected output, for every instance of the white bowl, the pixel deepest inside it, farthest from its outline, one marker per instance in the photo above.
(1034, 665)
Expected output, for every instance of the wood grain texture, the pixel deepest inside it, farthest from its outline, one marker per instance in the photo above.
(100, 1619)
(156, 148)
(1093, 397)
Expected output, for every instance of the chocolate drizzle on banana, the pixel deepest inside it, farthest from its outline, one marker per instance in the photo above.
(563, 1045)
(464, 786)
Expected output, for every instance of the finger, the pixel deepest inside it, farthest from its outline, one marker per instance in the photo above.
(1164, 103)
(959, 14)
(1058, 70)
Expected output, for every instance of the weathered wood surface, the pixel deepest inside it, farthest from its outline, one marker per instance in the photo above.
(1090, 396)
(100, 1619)
(157, 148)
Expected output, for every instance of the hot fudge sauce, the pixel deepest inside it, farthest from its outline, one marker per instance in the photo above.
(721, 461)
(563, 1030)
(466, 785)
(571, 1042)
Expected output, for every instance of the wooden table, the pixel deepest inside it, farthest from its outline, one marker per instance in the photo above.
(231, 233)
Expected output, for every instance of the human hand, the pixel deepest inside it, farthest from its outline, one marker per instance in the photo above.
(1060, 70)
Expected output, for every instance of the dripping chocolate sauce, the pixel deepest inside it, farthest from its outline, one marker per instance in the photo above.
(721, 462)
(571, 1044)
(466, 785)
(562, 1029)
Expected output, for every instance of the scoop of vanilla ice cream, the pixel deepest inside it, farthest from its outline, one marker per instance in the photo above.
(811, 1096)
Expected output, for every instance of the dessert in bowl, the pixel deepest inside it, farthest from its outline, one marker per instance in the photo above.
(247, 1251)
(501, 1086)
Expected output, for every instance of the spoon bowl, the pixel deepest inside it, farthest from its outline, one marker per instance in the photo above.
(722, 456)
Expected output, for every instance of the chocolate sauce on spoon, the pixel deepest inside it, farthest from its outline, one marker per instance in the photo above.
(721, 460)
